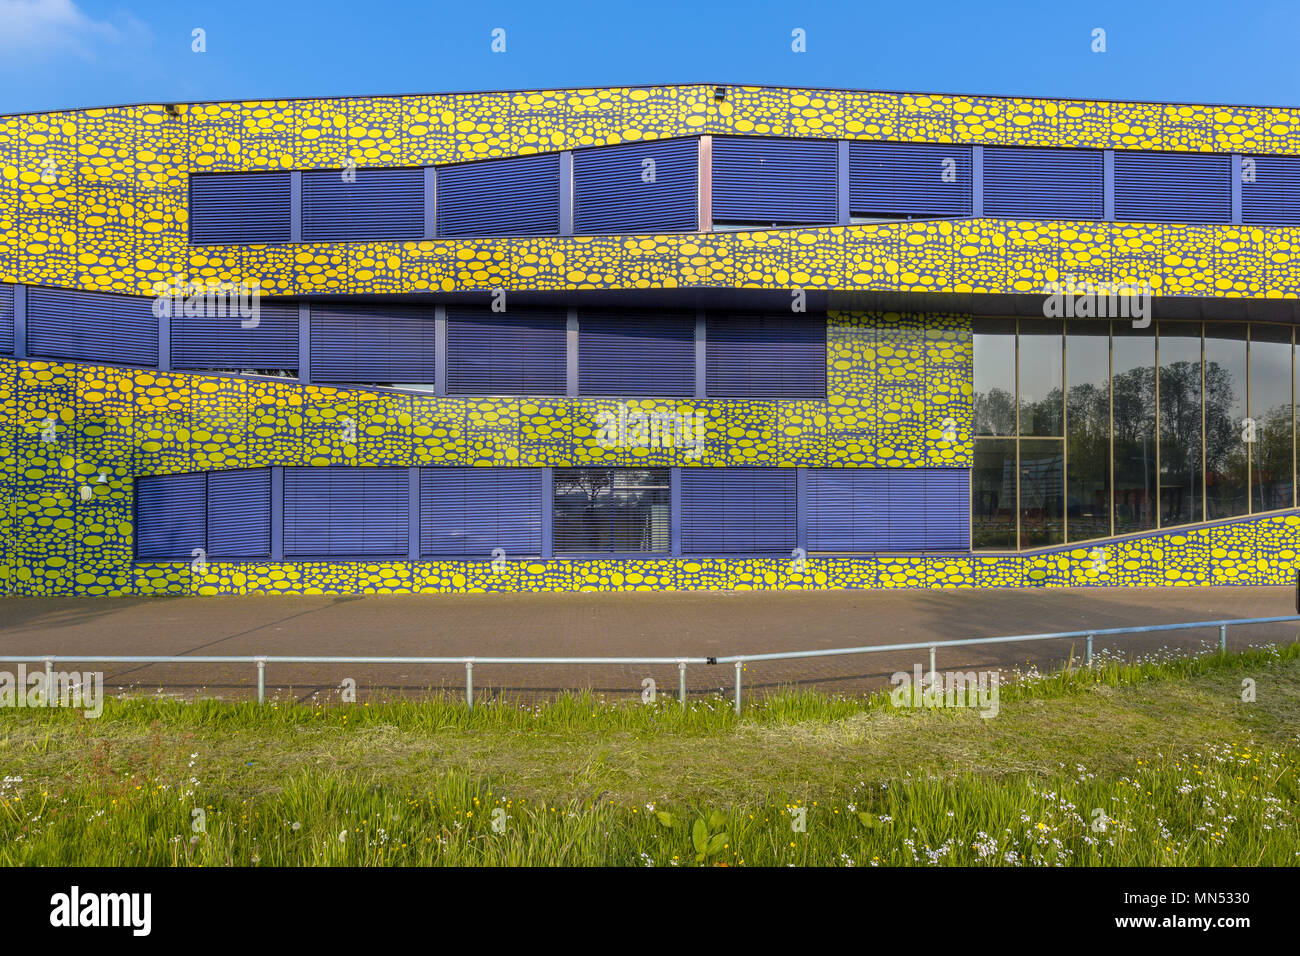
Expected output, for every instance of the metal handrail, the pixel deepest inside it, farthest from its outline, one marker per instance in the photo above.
(739, 660)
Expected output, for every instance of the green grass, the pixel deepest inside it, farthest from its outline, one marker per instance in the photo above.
(1155, 763)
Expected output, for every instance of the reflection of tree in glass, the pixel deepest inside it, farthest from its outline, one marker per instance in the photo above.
(1272, 458)
(1135, 448)
(591, 482)
(600, 509)
(995, 412)
(1223, 444)
(1180, 442)
(1226, 481)
(1042, 417)
(1087, 420)
(1135, 404)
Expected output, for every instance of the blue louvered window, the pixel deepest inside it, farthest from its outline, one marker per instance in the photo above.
(1029, 183)
(738, 510)
(239, 513)
(888, 509)
(91, 327)
(1172, 187)
(240, 208)
(480, 512)
(221, 343)
(636, 353)
(763, 181)
(612, 511)
(500, 197)
(765, 356)
(379, 345)
(6, 319)
(519, 352)
(377, 204)
(638, 187)
(227, 514)
(1270, 190)
(345, 512)
(909, 180)
(170, 516)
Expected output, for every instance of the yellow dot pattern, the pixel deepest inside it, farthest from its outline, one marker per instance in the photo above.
(97, 199)
(67, 521)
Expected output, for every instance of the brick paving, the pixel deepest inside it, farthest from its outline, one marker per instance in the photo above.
(605, 624)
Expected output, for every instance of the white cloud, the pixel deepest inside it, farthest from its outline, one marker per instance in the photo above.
(41, 29)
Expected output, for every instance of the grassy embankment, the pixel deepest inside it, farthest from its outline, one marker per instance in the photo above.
(1158, 763)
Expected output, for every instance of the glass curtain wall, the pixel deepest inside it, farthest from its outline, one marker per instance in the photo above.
(1087, 428)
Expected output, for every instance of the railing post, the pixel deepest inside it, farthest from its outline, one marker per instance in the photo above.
(932, 663)
(469, 685)
(49, 682)
(1087, 654)
(1223, 638)
(681, 682)
(739, 664)
(261, 680)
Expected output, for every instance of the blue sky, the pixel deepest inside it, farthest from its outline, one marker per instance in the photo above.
(81, 53)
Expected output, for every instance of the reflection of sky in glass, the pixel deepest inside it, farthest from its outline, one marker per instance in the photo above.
(1040, 377)
(1087, 359)
(995, 371)
(1225, 371)
(1087, 425)
(1270, 369)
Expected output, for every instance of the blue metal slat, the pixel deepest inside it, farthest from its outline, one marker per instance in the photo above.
(776, 181)
(91, 327)
(381, 345)
(889, 509)
(340, 511)
(240, 208)
(636, 353)
(378, 204)
(1272, 195)
(738, 510)
(239, 513)
(637, 187)
(909, 180)
(470, 512)
(766, 355)
(1032, 183)
(1172, 187)
(6, 319)
(520, 352)
(170, 516)
(519, 196)
(947, 516)
(221, 343)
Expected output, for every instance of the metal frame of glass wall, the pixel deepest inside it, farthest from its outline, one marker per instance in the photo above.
(1109, 430)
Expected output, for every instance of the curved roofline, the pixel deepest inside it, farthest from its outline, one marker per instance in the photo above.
(660, 86)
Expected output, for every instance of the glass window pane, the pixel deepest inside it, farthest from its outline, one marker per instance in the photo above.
(1087, 424)
(1041, 365)
(1134, 421)
(1226, 477)
(1180, 423)
(995, 377)
(993, 495)
(1042, 492)
(611, 510)
(1272, 458)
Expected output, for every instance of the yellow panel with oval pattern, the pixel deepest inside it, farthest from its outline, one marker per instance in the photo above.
(96, 199)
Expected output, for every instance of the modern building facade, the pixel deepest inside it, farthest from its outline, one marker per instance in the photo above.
(687, 337)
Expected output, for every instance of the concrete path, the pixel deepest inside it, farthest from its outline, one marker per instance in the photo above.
(607, 624)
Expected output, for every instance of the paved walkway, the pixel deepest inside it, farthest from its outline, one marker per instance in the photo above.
(606, 624)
